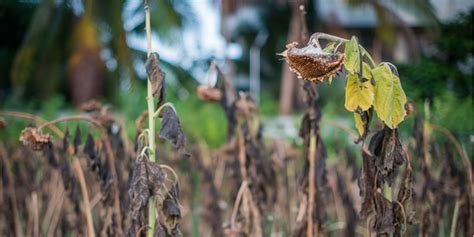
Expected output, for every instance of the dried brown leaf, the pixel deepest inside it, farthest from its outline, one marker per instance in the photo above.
(171, 128)
(34, 139)
(208, 93)
(172, 211)
(384, 222)
(156, 77)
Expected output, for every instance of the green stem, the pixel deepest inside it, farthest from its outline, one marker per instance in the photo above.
(387, 191)
(319, 35)
(151, 124)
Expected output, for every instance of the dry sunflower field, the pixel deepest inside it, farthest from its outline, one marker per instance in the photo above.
(82, 175)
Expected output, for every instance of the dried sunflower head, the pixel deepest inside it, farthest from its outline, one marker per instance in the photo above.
(312, 63)
(34, 139)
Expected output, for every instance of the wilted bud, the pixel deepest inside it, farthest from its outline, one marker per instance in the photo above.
(312, 63)
(34, 139)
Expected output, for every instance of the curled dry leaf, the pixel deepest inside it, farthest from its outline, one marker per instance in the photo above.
(207, 93)
(172, 211)
(156, 77)
(171, 128)
(147, 180)
(392, 155)
(312, 63)
(34, 139)
(405, 198)
(384, 223)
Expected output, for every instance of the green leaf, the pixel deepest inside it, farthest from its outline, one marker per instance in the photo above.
(390, 99)
(360, 93)
(359, 123)
(352, 53)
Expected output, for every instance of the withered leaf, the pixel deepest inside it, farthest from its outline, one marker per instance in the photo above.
(77, 139)
(65, 141)
(208, 93)
(384, 223)
(34, 139)
(155, 177)
(89, 150)
(156, 77)
(147, 180)
(392, 155)
(405, 198)
(171, 128)
(139, 192)
(171, 210)
(312, 63)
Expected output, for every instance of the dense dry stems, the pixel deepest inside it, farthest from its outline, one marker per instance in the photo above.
(85, 196)
(12, 193)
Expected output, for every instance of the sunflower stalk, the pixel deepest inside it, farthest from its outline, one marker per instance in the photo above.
(151, 124)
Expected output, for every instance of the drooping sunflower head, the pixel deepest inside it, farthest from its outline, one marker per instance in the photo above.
(312, 63)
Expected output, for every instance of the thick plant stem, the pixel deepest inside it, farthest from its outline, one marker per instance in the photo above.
(151, 124)
(311, 183)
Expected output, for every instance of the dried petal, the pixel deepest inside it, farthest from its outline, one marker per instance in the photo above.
(34, 139)
(312, 63)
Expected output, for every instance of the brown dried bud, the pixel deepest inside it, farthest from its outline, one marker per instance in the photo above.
(208, 93)
(34, 139)
(312, 63)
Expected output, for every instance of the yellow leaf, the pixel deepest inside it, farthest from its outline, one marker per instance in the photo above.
(352, 55)
(359, 94)
(390, 99)
(359, 123)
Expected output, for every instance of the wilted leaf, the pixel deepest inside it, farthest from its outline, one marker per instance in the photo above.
(405, 198)
(390, 99)
(147, 179)
(391, 156)
(360, 92)
(171, 128)
(208, 94)
(77, 139)
(352, 53)
(312, 63)
(384, 223)
(359, 123)
(66, 140)
(171, 210)
(34, 139)
(156, 77)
